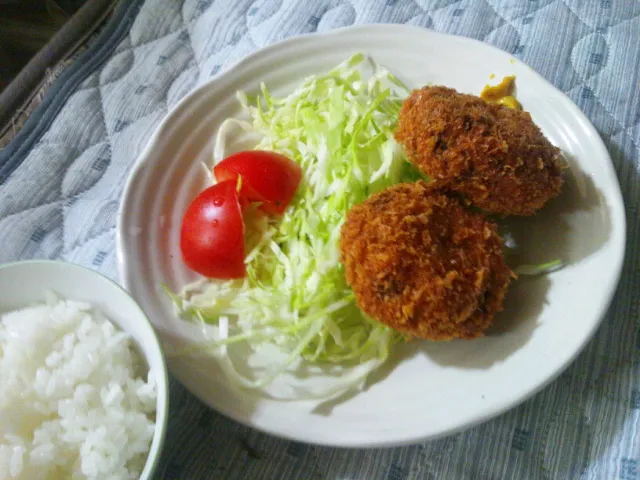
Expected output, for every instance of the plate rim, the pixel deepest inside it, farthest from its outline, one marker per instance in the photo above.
(490, 412)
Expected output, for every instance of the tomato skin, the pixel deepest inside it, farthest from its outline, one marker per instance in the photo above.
(267, 177)
(212, 233)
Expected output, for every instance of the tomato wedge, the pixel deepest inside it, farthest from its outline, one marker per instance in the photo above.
(212, 233)
(267, 177)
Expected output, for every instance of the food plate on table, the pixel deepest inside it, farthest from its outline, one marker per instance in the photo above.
(418, 389)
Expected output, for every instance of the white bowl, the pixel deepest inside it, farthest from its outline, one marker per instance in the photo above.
(24, 283)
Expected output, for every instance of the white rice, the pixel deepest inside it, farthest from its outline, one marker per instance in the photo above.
(72, 403)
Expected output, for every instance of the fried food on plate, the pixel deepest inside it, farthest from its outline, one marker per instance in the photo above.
(495, 156)
(420, 262)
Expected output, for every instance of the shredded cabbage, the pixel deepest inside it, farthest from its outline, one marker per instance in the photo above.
(294, 316)
(539, 269)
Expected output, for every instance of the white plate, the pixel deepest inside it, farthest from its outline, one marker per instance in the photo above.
(428, 389)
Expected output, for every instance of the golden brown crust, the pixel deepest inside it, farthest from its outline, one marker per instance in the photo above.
(496, 157)
(418, 261)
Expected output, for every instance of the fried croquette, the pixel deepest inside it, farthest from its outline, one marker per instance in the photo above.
(420, 262)
(495, 156)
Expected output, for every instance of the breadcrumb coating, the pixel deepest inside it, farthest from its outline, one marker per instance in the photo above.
(494, 156)
(420, 262)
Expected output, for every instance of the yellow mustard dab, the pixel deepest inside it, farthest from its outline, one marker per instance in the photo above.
(502, 93)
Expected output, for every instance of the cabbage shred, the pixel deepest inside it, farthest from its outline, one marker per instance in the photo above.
(339, 128)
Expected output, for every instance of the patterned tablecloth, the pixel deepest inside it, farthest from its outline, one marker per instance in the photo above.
(62, 177)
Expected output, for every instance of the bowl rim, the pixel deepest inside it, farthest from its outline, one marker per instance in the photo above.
(162, 376)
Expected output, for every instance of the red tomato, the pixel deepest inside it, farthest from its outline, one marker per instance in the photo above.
(212, 233)
(267, 177)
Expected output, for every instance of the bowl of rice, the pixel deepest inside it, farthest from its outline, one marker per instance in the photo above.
(83, 381)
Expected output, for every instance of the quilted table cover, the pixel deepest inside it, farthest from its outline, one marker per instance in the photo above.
(62, 177)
